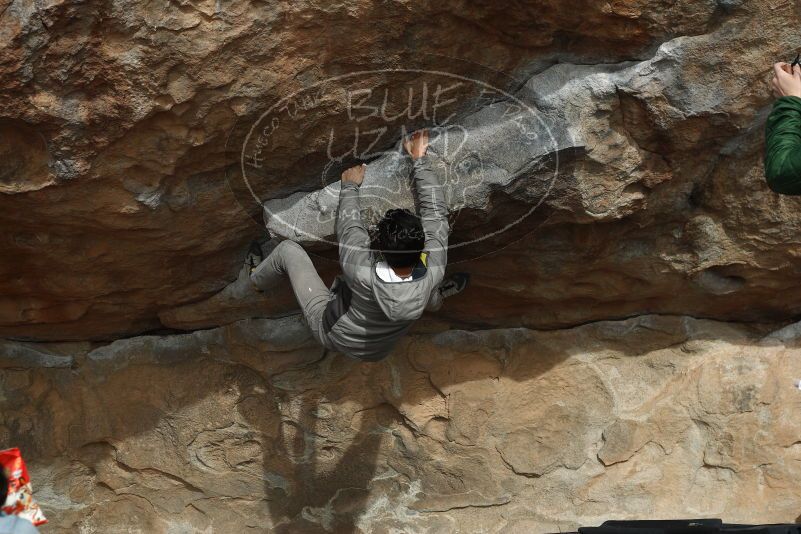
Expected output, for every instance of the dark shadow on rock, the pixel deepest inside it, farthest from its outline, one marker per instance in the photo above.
(151, 423)
(324, 469)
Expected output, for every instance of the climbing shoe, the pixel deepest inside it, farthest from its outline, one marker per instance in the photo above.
(454, 284)
(254, 256)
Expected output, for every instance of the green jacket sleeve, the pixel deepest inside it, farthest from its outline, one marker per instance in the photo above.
(783, 146)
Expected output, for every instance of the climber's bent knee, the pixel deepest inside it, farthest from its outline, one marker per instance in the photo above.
(288, 246)
(286, 256)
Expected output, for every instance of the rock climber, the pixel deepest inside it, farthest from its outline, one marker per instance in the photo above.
(379, 296)
(783, 131)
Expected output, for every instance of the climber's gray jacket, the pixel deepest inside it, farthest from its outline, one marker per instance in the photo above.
(367, 315)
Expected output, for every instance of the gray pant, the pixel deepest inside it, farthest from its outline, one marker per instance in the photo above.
(289, 258)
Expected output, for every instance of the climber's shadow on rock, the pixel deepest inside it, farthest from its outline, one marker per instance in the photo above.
(248, 426)
(324, 456)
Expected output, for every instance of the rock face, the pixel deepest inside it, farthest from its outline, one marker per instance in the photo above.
(250, 427)
(601, 160)
(123, 125)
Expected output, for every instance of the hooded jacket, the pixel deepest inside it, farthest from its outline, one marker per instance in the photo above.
(783, 146)
(367, 316)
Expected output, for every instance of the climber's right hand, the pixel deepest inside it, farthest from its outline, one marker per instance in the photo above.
(786, 80)
(354, 175)
(416, 144)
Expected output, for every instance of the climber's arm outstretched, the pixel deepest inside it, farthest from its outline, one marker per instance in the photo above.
(354, 241)
(431, 204)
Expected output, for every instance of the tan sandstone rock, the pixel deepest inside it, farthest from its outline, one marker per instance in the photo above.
(506, 430)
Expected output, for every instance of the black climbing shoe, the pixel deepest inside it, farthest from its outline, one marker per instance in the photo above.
(254, 256)
(454, 284)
